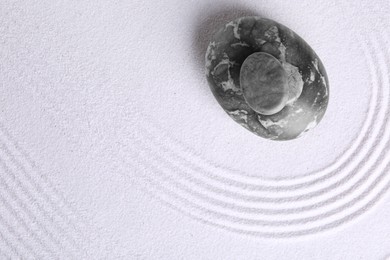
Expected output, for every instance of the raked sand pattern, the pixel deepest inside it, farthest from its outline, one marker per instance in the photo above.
(39, 221)
(277, 208)
(34, 212)
(36, 219)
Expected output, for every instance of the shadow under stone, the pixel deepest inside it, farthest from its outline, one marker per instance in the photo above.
(209, 21)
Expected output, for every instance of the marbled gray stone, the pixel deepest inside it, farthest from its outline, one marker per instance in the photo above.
(305, 102)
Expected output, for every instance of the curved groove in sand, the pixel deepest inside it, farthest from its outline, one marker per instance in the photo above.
(234, 217)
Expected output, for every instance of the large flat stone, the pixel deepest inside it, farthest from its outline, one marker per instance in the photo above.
(308, 90)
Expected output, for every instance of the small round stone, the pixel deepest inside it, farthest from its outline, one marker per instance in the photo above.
(264, 83)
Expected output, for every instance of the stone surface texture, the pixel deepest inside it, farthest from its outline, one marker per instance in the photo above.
(264, 83)
(308, 87)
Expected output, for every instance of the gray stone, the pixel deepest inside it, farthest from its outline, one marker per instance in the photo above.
(264, 83)
(260, 104)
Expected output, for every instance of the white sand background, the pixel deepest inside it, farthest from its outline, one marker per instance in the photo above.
(112, 146)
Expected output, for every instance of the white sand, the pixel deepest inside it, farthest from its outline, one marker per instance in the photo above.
(113, 146)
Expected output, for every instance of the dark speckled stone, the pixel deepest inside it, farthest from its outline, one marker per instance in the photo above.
(307, 84)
